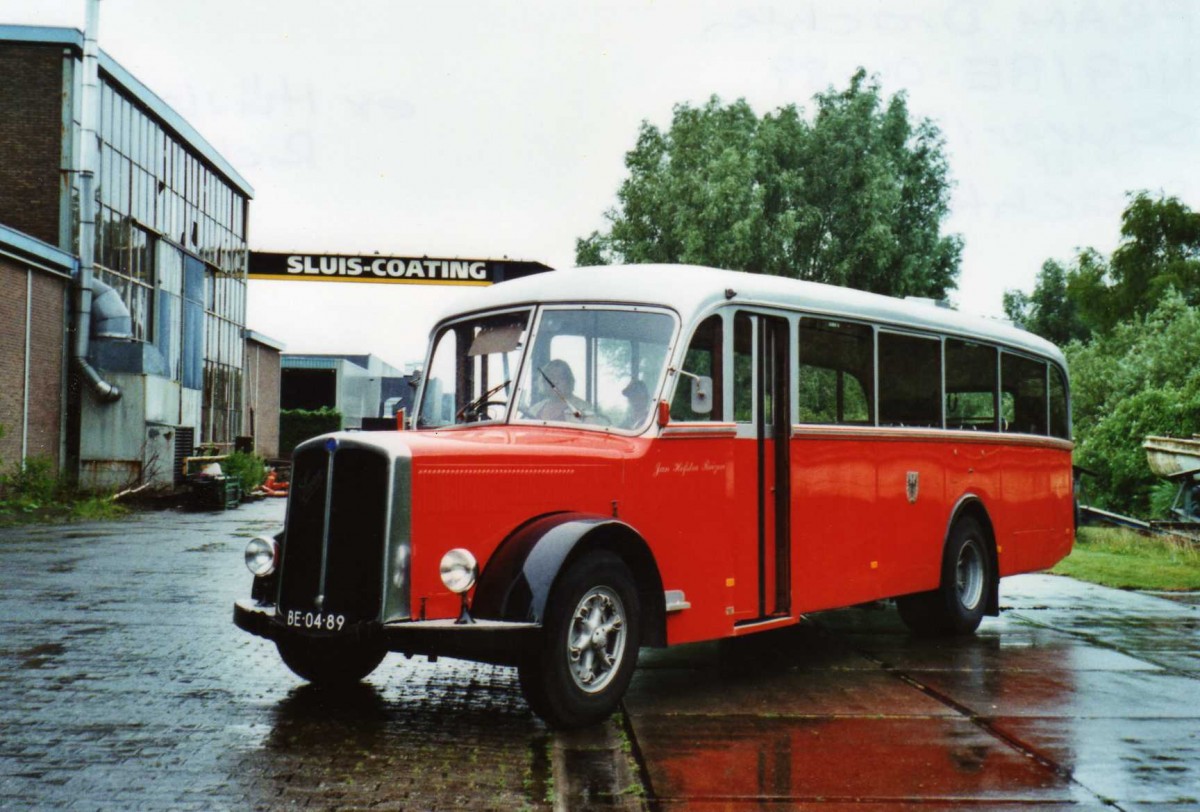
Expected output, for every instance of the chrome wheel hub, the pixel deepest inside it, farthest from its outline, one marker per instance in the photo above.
(968, 575)
(596, 639)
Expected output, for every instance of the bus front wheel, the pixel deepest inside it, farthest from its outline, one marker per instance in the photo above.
(591, 633)
(958, 604)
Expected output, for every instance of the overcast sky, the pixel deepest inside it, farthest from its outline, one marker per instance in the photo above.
(492, 129)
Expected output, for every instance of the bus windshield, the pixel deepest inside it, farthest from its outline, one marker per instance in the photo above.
(471, 376)
(587, 365)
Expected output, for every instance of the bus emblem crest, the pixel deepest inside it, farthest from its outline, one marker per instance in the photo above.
(913, 482)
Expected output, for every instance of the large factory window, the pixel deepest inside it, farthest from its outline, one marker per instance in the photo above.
(168, 318)
(153, 188)
(223, 356)
(173, 244)
(127, 254)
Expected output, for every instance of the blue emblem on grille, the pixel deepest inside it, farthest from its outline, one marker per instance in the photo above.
(331, 445)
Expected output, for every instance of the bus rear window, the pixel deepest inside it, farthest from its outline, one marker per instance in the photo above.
(1023, 394)
(1060, 420)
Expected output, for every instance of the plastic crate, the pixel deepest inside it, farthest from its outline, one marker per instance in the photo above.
(217, 492)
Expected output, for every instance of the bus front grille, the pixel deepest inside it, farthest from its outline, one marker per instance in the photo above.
(354, 509)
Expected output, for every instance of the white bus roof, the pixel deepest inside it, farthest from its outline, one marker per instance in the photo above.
(693, 290)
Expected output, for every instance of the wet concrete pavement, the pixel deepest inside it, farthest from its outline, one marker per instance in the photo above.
(123, 684)
(1077, 696)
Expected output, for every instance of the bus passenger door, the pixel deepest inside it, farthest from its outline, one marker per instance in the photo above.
(762, 411)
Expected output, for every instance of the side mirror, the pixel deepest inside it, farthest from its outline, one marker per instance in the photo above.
(702, 398)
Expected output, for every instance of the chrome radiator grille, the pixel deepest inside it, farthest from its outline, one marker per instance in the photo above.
(337, 532)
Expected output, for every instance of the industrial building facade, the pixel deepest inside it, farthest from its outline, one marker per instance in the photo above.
(168, 302)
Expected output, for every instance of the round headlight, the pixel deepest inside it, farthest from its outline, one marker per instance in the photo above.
(459, 569)
(261, 555)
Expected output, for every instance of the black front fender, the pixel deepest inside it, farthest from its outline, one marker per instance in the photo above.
(518, 578)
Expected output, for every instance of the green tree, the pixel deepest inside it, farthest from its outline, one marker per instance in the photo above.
(1159, 251)
(1141, 378)
(855, 197)
(1049, 311)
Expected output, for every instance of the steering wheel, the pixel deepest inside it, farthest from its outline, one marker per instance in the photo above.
(479, 411)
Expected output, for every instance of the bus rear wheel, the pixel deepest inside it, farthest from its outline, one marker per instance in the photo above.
(958, 604)
(324, 661)
(591, 634)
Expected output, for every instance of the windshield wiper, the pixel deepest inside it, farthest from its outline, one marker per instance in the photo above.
(578, 414)
(481, 401)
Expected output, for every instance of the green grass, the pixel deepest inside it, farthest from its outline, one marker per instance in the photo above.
(80, 509)
(1126, 560)
(95, 509)
(33, 493)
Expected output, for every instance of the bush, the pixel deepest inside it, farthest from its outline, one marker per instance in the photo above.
(35, 493)
(1113, 449)
(96, 508)
(33, 485)
(1143, 378)
(298, 425)
(1162, 499)
(251, 468)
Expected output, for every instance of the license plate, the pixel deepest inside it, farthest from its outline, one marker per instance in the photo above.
(315, 621)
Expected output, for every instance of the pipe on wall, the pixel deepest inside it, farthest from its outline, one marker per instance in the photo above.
(28, 352)
(104, 391)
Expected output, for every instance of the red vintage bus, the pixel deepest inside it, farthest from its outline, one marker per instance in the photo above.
(608, 458)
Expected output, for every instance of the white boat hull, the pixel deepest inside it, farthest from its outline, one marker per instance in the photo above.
(1171, 456)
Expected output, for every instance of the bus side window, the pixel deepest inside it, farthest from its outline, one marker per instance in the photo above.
(704, 357)
(970, 386)
(743, 368)
(1023, 387)
(1060, 421)
(836, 371)
(910, 380)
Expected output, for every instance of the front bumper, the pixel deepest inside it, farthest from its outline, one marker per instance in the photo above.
(489, 641)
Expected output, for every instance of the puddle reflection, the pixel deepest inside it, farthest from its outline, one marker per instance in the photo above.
(763, 758)
(799, 715)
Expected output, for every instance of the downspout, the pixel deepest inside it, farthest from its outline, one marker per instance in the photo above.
(104, 391)
(28, 352)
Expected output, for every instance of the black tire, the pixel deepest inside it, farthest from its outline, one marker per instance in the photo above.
(957, 605)
(561, 685)
(329, 661)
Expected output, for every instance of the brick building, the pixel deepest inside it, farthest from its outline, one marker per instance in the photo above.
(261, 400)
(163, 364)
(33, 319)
